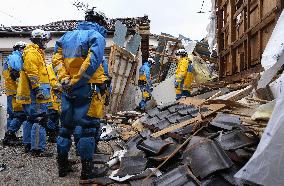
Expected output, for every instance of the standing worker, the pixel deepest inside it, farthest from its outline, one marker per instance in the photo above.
(34, 93)
(184, 75)
(145, 83)
(77, 61)
(54, 109)
(12, 67)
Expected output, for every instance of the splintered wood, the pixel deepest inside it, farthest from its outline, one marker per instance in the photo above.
(122, 65)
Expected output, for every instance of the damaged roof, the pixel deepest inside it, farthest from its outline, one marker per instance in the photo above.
(67, 25)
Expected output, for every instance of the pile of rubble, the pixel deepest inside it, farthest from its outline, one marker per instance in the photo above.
(202, 140)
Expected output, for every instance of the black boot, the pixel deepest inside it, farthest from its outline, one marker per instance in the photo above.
(52, 135)
(64, 166)
(11, 139)
(27, 148)
(89, 173)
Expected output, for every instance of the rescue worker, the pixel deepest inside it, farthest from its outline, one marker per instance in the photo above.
(184, 75)
(77, 61)
(145, 83)
(34, 93)
(54, 109)
(12, 67)
(78, 129)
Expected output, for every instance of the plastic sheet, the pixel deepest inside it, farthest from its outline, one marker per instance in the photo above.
(201, 71)
(266, 165)
(211, 28)
(264, 112)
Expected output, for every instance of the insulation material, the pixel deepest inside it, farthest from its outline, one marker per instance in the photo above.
(264, 112)
(275, 46)
(165, 92)
(211, 28)
(3, 120)
(201, 71)
(266, 165)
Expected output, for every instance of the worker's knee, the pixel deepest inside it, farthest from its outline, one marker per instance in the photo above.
(65, 133)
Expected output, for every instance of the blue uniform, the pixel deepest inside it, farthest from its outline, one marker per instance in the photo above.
(78, 58)
(145, 84)
(16, 115)
(34, 80)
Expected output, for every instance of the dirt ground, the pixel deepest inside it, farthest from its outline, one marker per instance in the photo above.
(23, 169)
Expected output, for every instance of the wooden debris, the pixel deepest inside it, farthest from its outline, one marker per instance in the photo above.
(212, 109)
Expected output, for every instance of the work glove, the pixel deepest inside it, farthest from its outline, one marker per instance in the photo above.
(14, 74)
(103, 88)
(176, 84)
(39, 94)
(66, 85)
(107, 100)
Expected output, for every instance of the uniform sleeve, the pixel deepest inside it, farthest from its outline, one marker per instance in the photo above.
(148, 76)
(93, 60)
(31, 64)
(58, 63)
(105, 66)
(181, 71)
(52, 77)
(6, 72)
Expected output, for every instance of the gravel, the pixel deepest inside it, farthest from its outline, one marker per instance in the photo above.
(23, 169)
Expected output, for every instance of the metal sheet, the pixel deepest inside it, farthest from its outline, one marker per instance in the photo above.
(234, 140)
(133, 44)
(119, 34)
(177, 177)
(204, 156)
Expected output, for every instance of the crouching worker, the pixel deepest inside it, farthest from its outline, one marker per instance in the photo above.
(34, 93)
(78, 59)
(145, 83)
(12, 67)
(184, 75)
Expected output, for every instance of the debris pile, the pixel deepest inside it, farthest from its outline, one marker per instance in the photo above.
(192, 141)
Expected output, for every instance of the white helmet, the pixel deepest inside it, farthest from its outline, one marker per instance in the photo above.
(19, 45)
(151, 61)
(181, 52)
(40, 34)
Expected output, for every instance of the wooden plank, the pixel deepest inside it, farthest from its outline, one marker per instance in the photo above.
(213, 109)
(237, 95)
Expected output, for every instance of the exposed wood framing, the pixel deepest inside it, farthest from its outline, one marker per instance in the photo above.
(243, 27)
(121, 67)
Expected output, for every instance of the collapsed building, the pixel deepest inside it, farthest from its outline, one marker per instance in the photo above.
(225, 133)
